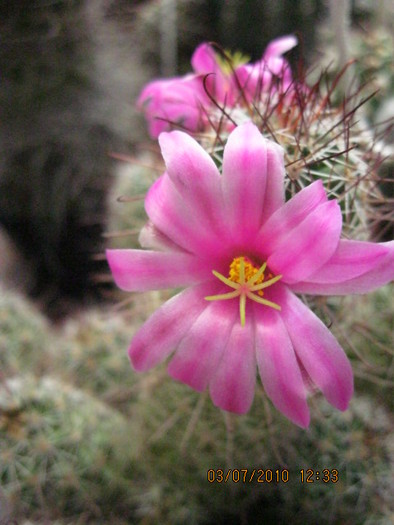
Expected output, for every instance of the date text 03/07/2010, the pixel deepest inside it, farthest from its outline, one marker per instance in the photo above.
(259, 475)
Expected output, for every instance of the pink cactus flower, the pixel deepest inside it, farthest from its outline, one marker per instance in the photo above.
(184, 101)
(258, 77)
(175, 101)
(243, 253)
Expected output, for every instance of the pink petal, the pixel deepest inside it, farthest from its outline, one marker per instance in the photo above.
(278, 367)
(217, 83)
(152, 237)
(199, 352)
(318, 350)
(382, 273)
(147, 95)
(290, 215)
(275, 188)
(163, 331)
(257, 77)
(172, 101)
(195, 176)
(156, 124)
(351, 259)
(279, 67)
(141, 270)
(253, 78)
(279, 46)
(244, 180)
(233, 383)
(309, 245)
(177, 220)
(204, 59)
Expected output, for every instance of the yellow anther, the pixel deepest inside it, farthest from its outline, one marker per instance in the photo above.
(245, 279)
(252, 274)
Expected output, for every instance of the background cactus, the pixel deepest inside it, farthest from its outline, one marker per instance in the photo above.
(83, 435)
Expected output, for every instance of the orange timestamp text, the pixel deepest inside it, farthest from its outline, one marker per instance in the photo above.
(245, 475)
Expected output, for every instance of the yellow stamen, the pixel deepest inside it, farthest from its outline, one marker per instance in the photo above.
(244, 279)
(229, 295)
(225, 280)
(265, 284)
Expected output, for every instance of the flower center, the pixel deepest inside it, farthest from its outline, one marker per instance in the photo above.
(245, 279)
(249, 272)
